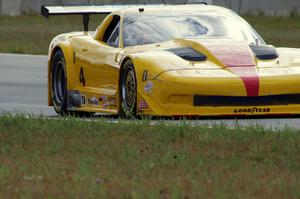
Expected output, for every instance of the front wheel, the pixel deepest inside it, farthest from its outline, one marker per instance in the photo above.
(128, 91)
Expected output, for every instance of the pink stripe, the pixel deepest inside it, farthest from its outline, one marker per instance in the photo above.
(238, 59)
(250, 78)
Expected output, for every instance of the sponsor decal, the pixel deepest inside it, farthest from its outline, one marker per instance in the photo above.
(252, 110)
(83, 99)
(103, 98)
(107, 101)
(93, 101)
(148, 87)
(113, 101)
(143, 105)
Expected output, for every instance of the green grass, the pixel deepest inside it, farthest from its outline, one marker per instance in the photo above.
(67, 158)
(278, 31)
(32, 34)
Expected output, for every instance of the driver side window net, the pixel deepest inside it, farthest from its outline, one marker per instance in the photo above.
(111, 35)
(114, 37)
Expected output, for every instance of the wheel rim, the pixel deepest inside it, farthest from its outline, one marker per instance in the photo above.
(129, 89)
(59, 83)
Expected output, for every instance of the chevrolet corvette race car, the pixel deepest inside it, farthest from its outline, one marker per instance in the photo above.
(169, 60)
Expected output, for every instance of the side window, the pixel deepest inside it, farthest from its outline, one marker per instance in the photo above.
(111, 35)
(114, 37)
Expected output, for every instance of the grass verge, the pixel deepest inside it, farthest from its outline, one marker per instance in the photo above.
(31, 34)
(44, 158)
(278, 31)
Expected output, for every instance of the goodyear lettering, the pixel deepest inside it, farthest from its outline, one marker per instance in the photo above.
(252, 110)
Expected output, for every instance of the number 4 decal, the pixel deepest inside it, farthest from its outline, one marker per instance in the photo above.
(81, 77)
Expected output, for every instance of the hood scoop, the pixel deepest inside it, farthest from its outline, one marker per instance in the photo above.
(264, 52)
(188, 54)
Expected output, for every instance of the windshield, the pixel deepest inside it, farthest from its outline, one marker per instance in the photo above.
(140, 29)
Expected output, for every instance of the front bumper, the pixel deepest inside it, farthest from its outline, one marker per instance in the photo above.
(174, 95)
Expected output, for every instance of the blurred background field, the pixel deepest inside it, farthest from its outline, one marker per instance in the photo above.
(71, 158)
(31, 34)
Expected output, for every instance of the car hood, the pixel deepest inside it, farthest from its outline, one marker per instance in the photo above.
(234, 58)
(219, 54)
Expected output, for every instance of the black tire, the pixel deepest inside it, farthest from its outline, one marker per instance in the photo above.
(59, 83)
(59, 88)
(128, 91)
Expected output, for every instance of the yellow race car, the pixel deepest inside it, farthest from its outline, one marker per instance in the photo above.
(169, 60)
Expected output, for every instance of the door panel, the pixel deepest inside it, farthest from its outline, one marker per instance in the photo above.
(102, 70)
(97, 72)
(98, 62)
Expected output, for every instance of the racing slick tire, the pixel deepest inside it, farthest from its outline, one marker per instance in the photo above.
(59, 83)
(128, 91)
(59, 88)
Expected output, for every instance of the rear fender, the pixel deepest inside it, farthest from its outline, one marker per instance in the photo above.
(69, 57)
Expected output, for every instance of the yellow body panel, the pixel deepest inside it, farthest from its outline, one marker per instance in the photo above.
(172, 81)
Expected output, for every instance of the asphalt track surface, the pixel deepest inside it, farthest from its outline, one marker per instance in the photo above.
(23, 89)
(23, 84)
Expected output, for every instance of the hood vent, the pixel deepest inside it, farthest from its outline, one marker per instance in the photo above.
(264, 52)
(188, 54)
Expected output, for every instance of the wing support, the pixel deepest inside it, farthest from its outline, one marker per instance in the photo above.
(85, 11)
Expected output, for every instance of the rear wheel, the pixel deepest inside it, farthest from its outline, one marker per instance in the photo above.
(59, 87)
(128, 91)
(59, 83)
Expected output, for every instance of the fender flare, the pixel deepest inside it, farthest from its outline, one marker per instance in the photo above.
(68, 53)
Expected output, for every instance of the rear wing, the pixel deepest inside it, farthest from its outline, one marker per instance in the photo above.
(87, 10)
